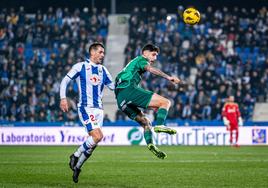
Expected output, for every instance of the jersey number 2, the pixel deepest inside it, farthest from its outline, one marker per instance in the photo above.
(92, 117)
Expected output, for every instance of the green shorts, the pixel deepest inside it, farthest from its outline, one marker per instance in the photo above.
(131, 98)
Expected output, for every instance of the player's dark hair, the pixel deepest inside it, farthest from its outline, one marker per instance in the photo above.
(151, 48)
(94, 46)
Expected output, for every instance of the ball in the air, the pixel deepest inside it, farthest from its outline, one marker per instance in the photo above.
(191, 16)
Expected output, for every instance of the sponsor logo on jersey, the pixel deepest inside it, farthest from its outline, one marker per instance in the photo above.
(95, 79)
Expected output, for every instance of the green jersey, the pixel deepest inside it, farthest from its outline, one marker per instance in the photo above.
(131, 74)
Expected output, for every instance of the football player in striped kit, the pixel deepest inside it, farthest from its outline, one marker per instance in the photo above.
(91, 77)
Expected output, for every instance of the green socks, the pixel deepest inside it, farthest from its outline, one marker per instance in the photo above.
(161, 116)
(148, 136)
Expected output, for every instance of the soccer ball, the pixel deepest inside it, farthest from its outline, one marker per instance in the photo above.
(191, 16)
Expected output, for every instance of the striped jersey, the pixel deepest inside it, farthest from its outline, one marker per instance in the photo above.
(91, 79)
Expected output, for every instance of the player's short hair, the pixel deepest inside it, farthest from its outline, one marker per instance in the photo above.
(94, 46)
(151, 48)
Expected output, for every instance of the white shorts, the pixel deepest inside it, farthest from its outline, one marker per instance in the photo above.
(91, 118)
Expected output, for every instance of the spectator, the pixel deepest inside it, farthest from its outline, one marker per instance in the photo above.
(106, 118)
(120, 115)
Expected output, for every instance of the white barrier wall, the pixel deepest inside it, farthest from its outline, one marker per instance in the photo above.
(129, 136)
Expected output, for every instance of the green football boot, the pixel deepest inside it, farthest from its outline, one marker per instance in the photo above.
(156, 151)
(164, 129)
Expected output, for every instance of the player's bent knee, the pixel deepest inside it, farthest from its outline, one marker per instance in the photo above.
(166, 103)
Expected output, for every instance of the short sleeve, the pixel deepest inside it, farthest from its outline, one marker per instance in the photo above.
(75, 71)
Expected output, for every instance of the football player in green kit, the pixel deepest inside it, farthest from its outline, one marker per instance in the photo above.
(130, 96)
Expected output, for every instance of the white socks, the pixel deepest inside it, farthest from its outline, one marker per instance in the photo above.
(85, 155)
(87, 145)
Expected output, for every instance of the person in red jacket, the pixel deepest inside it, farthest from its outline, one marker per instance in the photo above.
(232, 119)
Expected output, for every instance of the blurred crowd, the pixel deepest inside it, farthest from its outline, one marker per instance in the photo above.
(36, 51)
(226, 54)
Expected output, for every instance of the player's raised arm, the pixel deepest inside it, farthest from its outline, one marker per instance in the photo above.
(150, 53)
(158, 72)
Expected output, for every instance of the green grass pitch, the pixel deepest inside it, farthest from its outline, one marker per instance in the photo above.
(135, 166)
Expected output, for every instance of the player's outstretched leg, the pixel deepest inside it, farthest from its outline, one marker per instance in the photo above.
(146, 124)
(148, 138)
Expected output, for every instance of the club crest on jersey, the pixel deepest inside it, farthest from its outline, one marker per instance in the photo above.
(94, 79)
